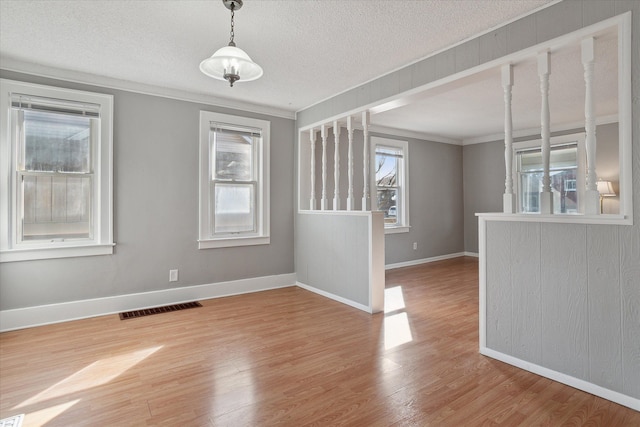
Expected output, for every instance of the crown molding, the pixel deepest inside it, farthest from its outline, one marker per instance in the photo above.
(30, 68)
(604, 120)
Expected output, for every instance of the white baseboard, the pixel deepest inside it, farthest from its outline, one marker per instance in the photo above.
(473, 254)
(425, 260)
(583, 385)
(55, 313)
(335, 297)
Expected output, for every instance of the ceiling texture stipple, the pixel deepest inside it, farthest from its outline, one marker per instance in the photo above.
(310, 51)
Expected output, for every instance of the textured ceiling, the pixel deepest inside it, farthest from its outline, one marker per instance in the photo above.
(310, 50)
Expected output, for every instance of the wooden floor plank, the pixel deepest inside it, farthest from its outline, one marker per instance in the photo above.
(289, 357)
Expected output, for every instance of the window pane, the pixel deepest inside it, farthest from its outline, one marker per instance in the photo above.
(386, 168)
(562, 172)
(530, 187)
(234, 208)
(56, 142)
(563, 186)
(233, 156)
(56, 207)
(387, 199)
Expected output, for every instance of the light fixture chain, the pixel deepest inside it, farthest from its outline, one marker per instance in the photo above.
(231, 43)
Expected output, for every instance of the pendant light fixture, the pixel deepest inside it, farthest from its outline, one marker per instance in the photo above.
(231, 63)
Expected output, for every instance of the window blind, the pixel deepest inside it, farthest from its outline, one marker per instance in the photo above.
(52, 105)
(235, 130)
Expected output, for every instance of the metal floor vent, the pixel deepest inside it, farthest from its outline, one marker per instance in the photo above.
(15, 421)
(157, 310)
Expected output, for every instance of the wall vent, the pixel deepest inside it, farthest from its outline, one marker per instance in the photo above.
(157, 310)
(15, 421)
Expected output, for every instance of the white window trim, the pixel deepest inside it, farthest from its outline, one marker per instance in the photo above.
(405, 226)
(579, 139)
(102, 244)
(262, 236)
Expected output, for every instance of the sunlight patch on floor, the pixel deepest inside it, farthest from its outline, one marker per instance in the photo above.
(393, 299)
(396, 330)
(95, 374)
(43, 416)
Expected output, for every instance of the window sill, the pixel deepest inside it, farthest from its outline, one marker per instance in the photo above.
(396, 230)
(33, 254)
(609, 219)
(233, 241)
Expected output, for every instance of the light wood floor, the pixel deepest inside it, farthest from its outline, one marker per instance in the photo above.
(289, 357)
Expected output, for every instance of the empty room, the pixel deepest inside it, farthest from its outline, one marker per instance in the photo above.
(321, 212)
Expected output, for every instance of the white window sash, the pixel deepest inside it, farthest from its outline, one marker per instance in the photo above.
(557, 142)
(18, 237)
(396, 149)
(254, 210)
(259, 130)
(15, 98)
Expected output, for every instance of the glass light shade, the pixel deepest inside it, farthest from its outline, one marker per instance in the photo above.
(231, 60)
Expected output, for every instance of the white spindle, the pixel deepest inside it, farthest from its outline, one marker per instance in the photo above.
(508, 199)
(592, 205)
(544, 69)
(323, 135)
(336, 166)
(312, 140)
(366, 201)
(350, 200)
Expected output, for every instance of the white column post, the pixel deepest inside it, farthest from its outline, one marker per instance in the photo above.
(508, 198)
(592, 197)
(544, 69)
(366, 200)
(323, 134)
(336, 165)
(312, 140)
(350, 200)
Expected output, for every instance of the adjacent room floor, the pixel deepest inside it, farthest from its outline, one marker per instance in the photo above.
(289, 357)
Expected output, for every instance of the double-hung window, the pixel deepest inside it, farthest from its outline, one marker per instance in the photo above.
(391, 182)
(56, 172)
(234, 181)
(566, 172)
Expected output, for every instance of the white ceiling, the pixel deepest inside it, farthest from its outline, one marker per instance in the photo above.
(310, 50)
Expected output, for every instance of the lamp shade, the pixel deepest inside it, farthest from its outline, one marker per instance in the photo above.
(605, 189)
(231, 60)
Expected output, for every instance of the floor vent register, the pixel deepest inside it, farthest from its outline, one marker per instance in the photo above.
(157, 310)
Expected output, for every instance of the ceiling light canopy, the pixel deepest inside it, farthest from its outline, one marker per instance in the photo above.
(231, 63)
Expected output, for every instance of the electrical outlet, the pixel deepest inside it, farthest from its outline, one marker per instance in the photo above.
(415, 245)
(173, 275)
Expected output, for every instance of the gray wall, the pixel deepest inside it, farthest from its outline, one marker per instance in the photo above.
(435, 204)
(332, 254)
(483, 172)
(613, 293)
(566, 297)
(156, 211)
